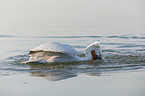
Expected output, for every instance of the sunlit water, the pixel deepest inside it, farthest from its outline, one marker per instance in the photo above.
(121, 53)
(118, 24)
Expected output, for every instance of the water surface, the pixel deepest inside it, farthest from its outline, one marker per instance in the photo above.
(121, 53)
(117, 24)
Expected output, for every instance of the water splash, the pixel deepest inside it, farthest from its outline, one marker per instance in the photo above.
(122, 53)
(60, 71)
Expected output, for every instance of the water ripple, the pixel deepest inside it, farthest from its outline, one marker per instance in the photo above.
(60, 71)
(7, 36)
(69, 37)
(122, 53)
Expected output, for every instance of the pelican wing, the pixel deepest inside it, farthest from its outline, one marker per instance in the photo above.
(55, 47)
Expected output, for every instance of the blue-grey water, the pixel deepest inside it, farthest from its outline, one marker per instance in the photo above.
(121, 53)
(118, 25)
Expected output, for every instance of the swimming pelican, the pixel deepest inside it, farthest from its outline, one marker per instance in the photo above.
(57, 52)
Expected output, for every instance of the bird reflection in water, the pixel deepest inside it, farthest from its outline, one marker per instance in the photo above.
(56, 72)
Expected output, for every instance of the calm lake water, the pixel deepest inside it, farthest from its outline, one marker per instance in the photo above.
(120, 28)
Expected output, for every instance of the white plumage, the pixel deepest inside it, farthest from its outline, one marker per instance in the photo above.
(94, 46)
(55, 47)
(57, 52)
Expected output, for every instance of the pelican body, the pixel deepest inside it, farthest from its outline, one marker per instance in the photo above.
(57, 52)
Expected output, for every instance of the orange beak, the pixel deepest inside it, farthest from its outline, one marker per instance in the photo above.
(94, 56)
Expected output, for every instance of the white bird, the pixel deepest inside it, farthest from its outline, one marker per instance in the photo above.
(56, 52)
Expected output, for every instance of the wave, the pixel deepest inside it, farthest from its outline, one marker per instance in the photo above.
(127, 37)
(60, 71)
(122, 37)
(93, 36)
(6, 36)
(126, 54)
(69, 37)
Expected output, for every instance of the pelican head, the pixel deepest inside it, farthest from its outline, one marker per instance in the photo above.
(93, 51)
